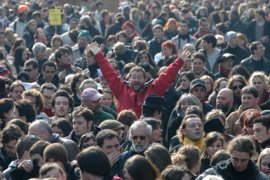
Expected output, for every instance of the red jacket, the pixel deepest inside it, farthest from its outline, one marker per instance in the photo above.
(126, 96)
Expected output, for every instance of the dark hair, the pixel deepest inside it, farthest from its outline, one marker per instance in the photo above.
(18, 57)
(250, 90)
(9, 133)
(84, 138)
(220, 155)
(253, 46)
(242, 144)
(48, 63)
(126, 117)
(26, 109)
(49, 86)
(86, 113)
(264, 120)
(64, 94)
(38, 147)
(24, 144)
(20, 124)
(199, 56)
(6, 105)
(210, 38)
(64, 125)
(154, 123)
(174, 172)
(32, 62)
(105, 134)
(93, 160)
(61, 51)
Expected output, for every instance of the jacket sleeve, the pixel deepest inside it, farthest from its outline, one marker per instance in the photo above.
(110, 74)
(165, 79)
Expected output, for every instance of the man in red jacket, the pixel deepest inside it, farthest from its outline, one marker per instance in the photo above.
(131, 94)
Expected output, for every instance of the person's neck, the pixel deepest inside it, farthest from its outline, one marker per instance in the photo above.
(158, 39)
(232, 46)
(210, 50)
(256, 57)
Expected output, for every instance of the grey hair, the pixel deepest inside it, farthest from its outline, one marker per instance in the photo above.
(42, 126)
(88, 83)
(190, 99)
(38, 47)
(140, 124)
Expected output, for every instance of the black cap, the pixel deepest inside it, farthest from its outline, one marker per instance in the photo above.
(197, 82)
(154, 101)
(224, 57)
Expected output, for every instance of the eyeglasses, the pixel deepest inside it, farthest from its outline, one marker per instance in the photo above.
(138, 137)
(237, 87)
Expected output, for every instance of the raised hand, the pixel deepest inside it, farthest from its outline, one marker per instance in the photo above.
(95, 48)
(185, 55)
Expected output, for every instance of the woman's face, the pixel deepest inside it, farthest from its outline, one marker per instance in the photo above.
(172, 26)
(57, 44)
(208, 85)
(184, 82)
(166, 51)
(264, 165)
(156, 134)
(213, 148)
(90, 59)
(144, 58)
(107, 99)
(128, 30)
(25, 55)
(184, 106)
(222, 85)
(237, 87)
(258, 83)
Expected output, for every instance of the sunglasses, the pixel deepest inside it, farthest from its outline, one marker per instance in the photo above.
(138, 137)
(238, 87)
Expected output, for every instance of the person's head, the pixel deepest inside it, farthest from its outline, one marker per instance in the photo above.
(220, 155)
(82, 121)
(52, 170)
(62, 103)
(231, 38)
(83, 38)
(138, 167)
(36, 99)
(183, 27)
(240, 70)
(63, 56)
(246, 120)
(93, 163)
(89, 56)
(259, 15)
(171, 25)
(174, 172)
(36, 152)
(7, 109)
(264, 161)
(39, 51)
(61, 126)
(241, 148)
(91, 99)
(225, 62)
(56, 152)
(140, 136)
(185, 78)
(86, 141)
(126, 117)
(137, 78)
(108, 98)
(158, 31)
(236, 83)
(188, 156)
(153, 106)
(259, 80)
(159, 156)
(209, 41)
(20, 124)
(156, 130)
(261, 128)
(23, 146)
(191, 128)
(168, 48)
(198, 60)
(56, 42)
(41, 129)
(257, 49)
(31, 67)
(224, 99)
(108, 140)
(49, 71)
(9, 137)
(15, 90)
(198, 89)
(249, 97)
(47, 90)
(214, 141)
(144, 56)
(209, 82)
(187, 100)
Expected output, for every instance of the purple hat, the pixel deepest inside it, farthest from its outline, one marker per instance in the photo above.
(91, 94)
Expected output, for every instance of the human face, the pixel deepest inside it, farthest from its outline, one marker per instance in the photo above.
(32, 99)
(224, 101)
(128, 30)
(47, 95)
(248, 101)
(49, 73)
(199, 92)
(156, 134)
(55, 173)
(222, 85)
(10, 148)
(82, 42)
(61, 107)
(140, 140)
(233, 42)
(73, 25)
(111, 145)
(197, 65)
(33, 73)
(184, 82)
(66, 59)
(33, 26)
(236, 88)
(136, 80)
(90, 59)
(166, 51)
(158, 33)
(194, 129)
(41, 55)
(208, 85)
(258, 83)
(261, 134)
(227, 65)
(16, 93)
(94, 105)
(59, 131)
(81, 126)
(107, 99)
(183, 28)
(213, 148)
(25, 55)
(264, 164)
(240, 160)
(144, 58)
(260, 50)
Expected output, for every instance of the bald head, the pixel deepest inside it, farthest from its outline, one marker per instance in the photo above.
(224, 99)
(41, 129)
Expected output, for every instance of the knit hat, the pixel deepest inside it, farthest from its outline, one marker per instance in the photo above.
(56, 152)
(84, 33)
(4, 71)
(213, 125)
(111, 124)
(230, 35)
(91, 94)
(22, 8)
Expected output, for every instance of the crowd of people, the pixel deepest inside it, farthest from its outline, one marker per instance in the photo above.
(158, 90)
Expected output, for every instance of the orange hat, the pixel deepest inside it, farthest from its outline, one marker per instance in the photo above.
(22, 8)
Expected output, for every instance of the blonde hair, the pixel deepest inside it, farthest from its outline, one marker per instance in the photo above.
(264, 153)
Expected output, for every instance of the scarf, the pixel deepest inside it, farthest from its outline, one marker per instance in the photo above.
(64, 66)
(200, 144)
